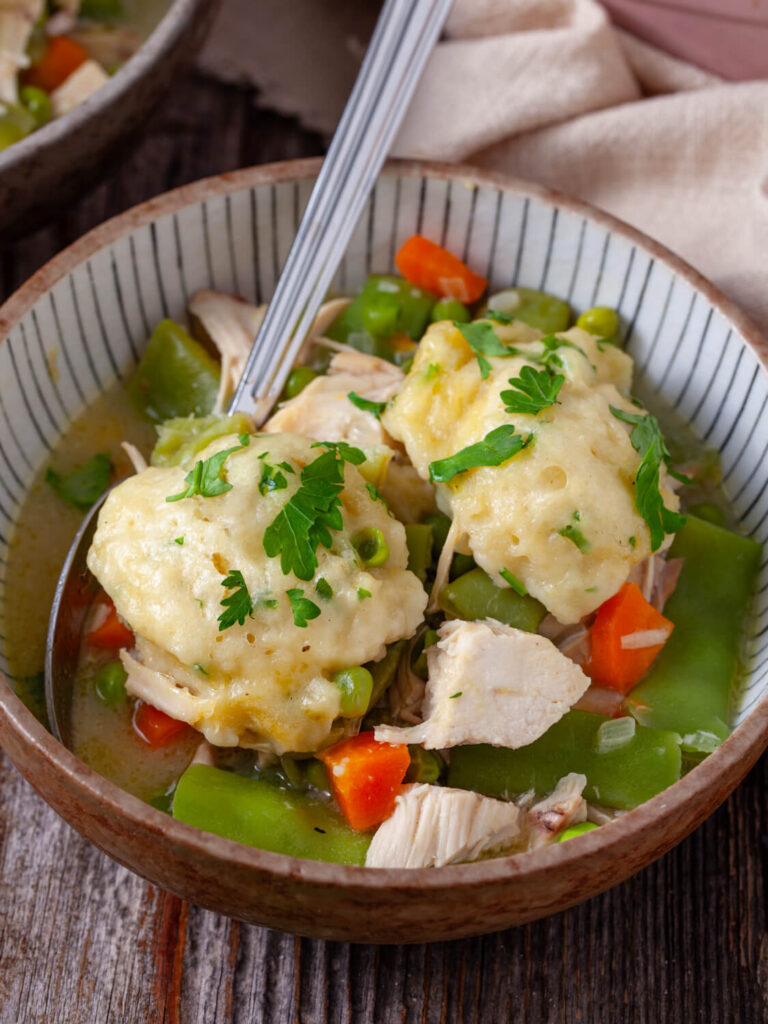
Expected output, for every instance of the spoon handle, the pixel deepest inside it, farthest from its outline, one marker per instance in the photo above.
(401, 44)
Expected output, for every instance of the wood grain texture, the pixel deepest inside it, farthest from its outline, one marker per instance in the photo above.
(83, 941)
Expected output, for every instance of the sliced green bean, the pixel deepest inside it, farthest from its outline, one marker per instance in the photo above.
(475, 596)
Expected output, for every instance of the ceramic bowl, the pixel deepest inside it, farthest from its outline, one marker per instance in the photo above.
(55, 165)
(97, 300)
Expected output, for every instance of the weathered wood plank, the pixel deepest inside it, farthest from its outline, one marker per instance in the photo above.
(83, 941)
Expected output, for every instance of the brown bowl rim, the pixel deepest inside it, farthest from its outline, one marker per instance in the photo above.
(736, 755)
(161, 40)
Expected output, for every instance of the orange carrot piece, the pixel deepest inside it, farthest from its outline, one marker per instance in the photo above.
(615, 666)
(155, 727)
(430, 266)
(62, 56)
(366, 777)
(111, 635)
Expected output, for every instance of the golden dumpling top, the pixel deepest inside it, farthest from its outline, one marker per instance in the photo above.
(264, 682)
(560, 515)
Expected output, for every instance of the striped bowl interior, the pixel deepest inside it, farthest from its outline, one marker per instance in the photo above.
(99, 314)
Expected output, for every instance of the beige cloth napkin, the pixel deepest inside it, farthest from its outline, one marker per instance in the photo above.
(549, 91)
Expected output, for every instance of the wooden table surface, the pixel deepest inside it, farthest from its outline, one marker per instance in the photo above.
(83, 940)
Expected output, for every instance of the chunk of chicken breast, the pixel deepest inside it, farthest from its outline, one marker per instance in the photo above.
(432, 826)
(491, 683)
(324, 411)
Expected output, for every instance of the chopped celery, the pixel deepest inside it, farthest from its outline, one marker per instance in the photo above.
(385, 306)
(180, 439)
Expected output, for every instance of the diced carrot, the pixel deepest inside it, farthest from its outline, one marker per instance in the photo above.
(111, 635)
(366, 777)
(62, 56)
(626, 613)
(430, 266)
(155, 727)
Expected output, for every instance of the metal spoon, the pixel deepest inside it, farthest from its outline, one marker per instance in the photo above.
(399, 48)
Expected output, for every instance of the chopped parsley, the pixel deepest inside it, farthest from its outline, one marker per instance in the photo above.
(271, 477)
(575, 536)
(632, 541)
(366, 405)
(484, 341)
(498, 316)
(513, 581)
(455, 695)
(362, 593)
(649, 443)
(307, 518)
(206, 478)
(375, 493)
(324, 588)
(237, 605)
(178, 540)
(303, 609)
(432, 371)
(84, 486)
(269, 602)
(496, 447)
(533, 391)
(552, 343)
(199, 668)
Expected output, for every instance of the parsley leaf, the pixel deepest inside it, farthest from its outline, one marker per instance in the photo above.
(324, 588)
(649, 443)
(375, 408)
(496, 447)
(552, 343)
(498, 316)
(83, 486)
(306, 519)
(534, 390)
(206, 479)
(575, 536)
(237, 605)
(362, 593)
(455, 695)
(303, 609)
(484, 341)
(517, 585)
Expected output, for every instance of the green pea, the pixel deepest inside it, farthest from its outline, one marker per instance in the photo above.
(380, 314)
(708, 511)
(425, 766)
(38, 103)
(601, 321)
(540, 310)
(110, 684)
(372, 547)
(298, 379)
(316, 775)
(356, 686)
(450, 309)
(576, 830)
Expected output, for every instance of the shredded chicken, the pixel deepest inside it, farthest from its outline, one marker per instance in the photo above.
(81, 84)
(563, 807)
(602, 815)
(444, 565)
(406, 694)
(205, 754)
(231, 324)
(490, 683)
(432, 826)
(324, 411)
(17, 19)
(138, 461)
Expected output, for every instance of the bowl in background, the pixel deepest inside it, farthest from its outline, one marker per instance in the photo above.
(99, 299)
(54, 165)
